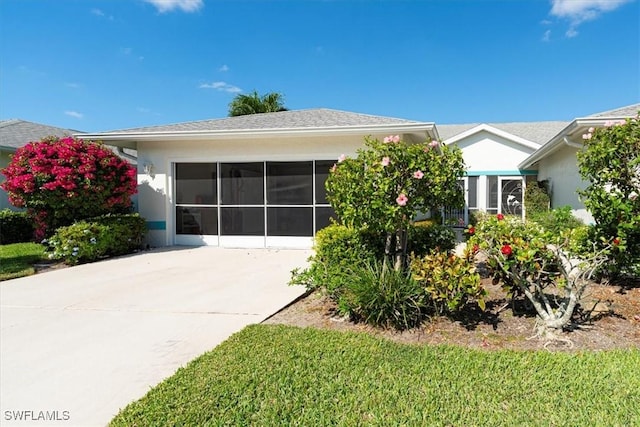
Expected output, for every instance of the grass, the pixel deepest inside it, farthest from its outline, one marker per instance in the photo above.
(280, 375)
(17, 259)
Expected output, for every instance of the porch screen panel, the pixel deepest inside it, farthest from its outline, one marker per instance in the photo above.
(242, 183)
(492, 194)
(472, 194)
(196, 196)
(290, 221)
(290, 199)
(196, 220)
(196, 183)
(512, 196)
(289, 183)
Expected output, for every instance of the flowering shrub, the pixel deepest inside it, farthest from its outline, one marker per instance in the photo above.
(383, 187)
(551, 276)
(610, 162)
(63, 180)
(449, 282)
(96, 238)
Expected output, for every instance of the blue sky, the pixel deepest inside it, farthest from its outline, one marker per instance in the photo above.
(97, 65)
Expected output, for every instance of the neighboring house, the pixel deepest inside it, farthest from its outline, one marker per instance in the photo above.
(556, 161)
(494, 183)
(17, 133)
(247, 181)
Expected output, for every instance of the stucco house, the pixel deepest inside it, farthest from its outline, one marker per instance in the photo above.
(555, 161)
(258, 180)
(17, 133)
(247, 181)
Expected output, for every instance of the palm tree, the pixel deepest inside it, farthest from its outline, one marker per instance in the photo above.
(253, 103)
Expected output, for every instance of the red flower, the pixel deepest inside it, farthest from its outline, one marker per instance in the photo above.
(506, 250)
(471, 230)
(616, 241)
(500, 217)
(476, 248)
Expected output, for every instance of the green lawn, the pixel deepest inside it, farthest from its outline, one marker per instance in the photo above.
(269, 375)
(17, 259)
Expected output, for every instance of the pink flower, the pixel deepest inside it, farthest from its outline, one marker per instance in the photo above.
(385, 161)
(591, 130)
(402, 199)
(391, 138)
(333, 168)
(633, 196)
(342, 158)
(434, 144)
(586, 136)
(418, 174)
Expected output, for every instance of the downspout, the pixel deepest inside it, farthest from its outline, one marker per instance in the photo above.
(572, 144)
(127, 156)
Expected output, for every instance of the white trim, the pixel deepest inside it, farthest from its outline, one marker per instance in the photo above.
(242, 241)
(427, 128)
(289, 242)
(195, 240)
(487, 128)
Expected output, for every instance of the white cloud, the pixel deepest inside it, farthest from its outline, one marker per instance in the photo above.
(547, 36)
(170, 5)
(74, 114)
(579, 11)
(224, 68)
(101, 14)
(73, 85)
(221, 86)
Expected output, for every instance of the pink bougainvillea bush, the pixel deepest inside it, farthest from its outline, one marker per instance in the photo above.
(62, 180)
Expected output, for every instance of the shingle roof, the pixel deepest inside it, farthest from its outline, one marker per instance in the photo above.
(628, 111)
(296, 119)
(17, 133)
(537, 132)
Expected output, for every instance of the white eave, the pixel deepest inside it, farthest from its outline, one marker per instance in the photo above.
(567, 136)
(490, 129)
(423, 129)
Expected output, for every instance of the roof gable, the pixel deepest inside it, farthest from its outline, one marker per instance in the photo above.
(536, 132)
(492, 130)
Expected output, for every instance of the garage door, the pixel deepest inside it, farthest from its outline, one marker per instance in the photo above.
(251, 204)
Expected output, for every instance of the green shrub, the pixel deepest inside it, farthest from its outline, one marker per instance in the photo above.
(450, 282)
(422, 239)
(99, 237)
(536, 199)
(556, 221)
(15, 227)
(338, 249)
(382, 296)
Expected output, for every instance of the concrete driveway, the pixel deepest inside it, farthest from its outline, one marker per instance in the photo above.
(78, 344)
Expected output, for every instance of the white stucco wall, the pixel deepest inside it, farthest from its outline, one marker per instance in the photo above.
(155, 192)
(485, 151)
(561, 170)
